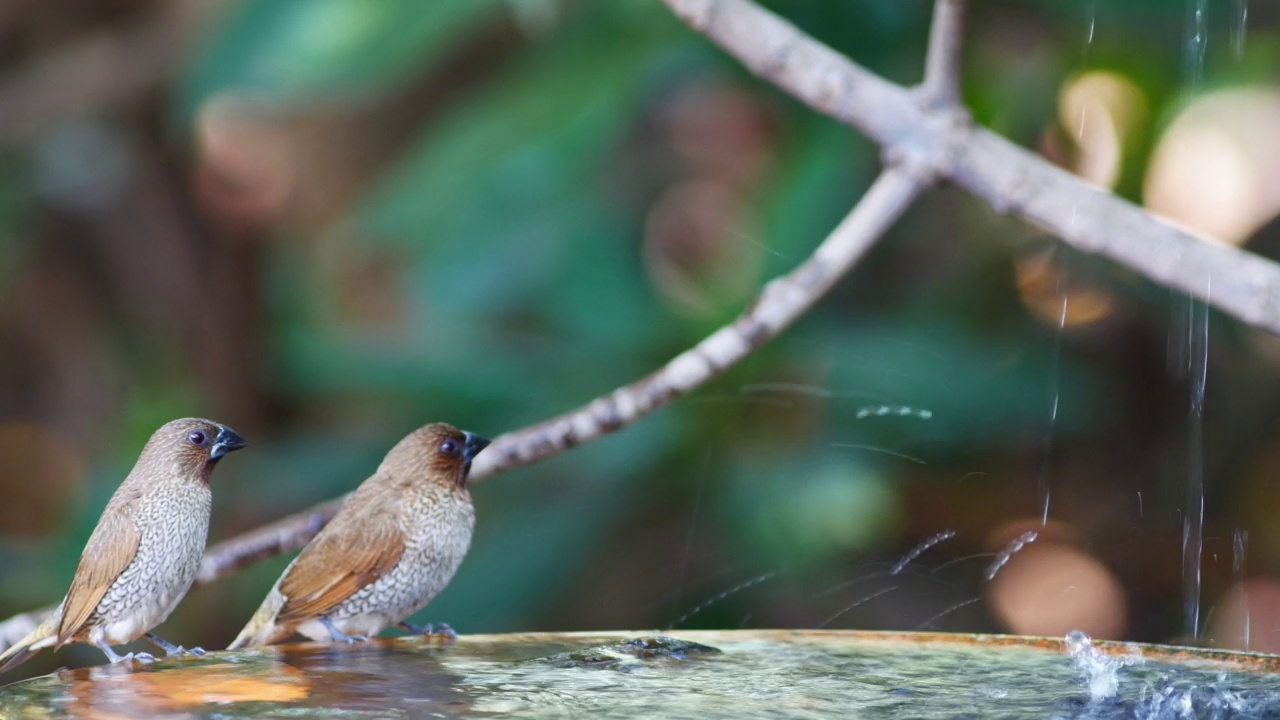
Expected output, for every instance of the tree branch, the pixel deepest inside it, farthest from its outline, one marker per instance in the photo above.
(288, 533)
(1008, 177)
(941, 86)
(779, 304)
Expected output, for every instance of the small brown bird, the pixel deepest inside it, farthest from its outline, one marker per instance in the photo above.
(392, 547)
(144, 553)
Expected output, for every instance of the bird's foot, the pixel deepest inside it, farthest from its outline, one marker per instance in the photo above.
(339, 636)
(141, 658)
(117, 658)
(440, 631)
(171, 650)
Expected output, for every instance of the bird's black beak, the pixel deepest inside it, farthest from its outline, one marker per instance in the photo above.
(472, 447)
(226, 441)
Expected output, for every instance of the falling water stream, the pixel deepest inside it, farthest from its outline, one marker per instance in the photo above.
(1193, 518)
(1239, 549)
(1239, 27)
(1189, 359)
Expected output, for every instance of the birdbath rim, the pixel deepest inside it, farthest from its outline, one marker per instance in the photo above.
(1171, 653)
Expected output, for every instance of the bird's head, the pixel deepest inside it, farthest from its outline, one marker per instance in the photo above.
(190, 447)
(439, 453)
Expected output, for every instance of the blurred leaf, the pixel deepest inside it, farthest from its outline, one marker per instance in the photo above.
(812, 508)
(514, 251)
(516, 152)
(14, 205)
(812, 190)
(325, 49)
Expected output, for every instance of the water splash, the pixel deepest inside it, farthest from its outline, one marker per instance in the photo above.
(1100, 672)
(1093, 24)
(688, 538)
(883, 451)
(895, 410)
(1197, 40)
(1003, 557)
(929, 623)
(1055, 392)
(957, 561)
(857, 603)
(850, 583)
(919, 549)
(786, 387)
(805, 389)
(721, 596)
(1216, 699)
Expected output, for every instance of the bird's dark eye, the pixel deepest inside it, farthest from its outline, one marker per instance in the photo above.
(450, 448)
(197, 438)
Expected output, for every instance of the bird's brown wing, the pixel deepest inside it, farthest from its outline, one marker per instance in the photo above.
(111, 547)
(360, 545)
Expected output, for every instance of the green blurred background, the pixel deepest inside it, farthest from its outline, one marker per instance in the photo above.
(326, 222)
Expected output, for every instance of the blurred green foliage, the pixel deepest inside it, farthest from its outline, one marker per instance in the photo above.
(332, 50)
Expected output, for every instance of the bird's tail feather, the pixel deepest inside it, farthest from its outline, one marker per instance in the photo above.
(262, 629)
(45, 635)
(15, 656)
(245, 638)
(257, 634)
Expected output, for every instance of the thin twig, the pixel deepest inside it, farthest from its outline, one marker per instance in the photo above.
(1008, 177)
(941, 86)
(779, 304)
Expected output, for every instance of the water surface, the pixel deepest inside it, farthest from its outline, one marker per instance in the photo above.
(695, 675)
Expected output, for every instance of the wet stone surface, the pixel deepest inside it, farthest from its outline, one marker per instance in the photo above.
(690, 675)
(630, 654)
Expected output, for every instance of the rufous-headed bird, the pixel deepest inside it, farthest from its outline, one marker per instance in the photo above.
(142, 557)
(394, 545)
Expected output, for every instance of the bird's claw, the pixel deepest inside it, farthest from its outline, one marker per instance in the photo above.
(142, 658)
(180, 651)
(338, 636)
(431, 632)
(196, 652)
(442, 630)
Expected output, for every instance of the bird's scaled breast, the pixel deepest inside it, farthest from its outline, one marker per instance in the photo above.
(437, 534)
(174, 524)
